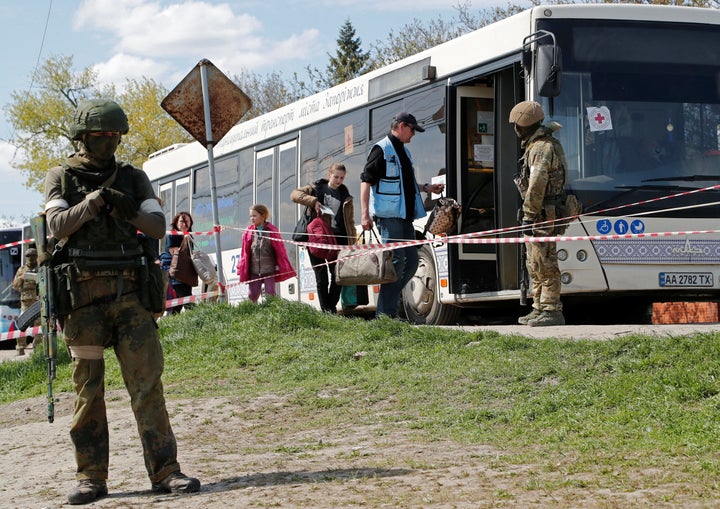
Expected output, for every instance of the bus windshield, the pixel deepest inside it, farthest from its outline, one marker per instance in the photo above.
(640, 110)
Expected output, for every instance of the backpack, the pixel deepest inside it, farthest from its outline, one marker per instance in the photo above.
(319, 232)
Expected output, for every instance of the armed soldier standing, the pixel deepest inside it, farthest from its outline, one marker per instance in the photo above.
(541, 182)
(94, 207)
(26, 284)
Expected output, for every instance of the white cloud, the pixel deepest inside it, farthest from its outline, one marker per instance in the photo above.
(188, 31)
(122, 66)
(409, 6)
(17, 201)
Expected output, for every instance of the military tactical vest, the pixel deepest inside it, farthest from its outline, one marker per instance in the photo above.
(104, 242)
(556, 175)
(27, 287)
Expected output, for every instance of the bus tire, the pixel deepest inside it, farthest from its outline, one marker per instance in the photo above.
(420, 303)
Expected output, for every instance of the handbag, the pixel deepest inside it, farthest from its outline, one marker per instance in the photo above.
(364, 267)
(300, 233)
(319, 232)
(181, 266)
(444, 216)
(204, 266)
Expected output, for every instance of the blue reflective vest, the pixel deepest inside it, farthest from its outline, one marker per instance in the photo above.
(387, 198)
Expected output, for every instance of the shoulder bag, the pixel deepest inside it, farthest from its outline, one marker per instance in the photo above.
(203, 264)
(357, 266)
(300, 233)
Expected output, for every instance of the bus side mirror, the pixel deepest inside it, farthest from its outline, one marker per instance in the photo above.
(548, 69)
(544, 64)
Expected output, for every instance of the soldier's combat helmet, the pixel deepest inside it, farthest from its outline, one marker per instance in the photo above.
(98, 115)
(526, 113)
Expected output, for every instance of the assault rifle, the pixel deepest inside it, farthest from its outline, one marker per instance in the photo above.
(524, 276)
(47, 306)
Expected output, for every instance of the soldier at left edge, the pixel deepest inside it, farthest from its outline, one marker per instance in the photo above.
(25, 282)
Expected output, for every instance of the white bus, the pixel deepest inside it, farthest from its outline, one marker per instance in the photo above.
(637, 90)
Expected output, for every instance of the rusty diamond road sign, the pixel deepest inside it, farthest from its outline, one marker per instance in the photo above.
(228, 103)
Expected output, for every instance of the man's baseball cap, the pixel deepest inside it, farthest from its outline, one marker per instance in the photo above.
(407, 118)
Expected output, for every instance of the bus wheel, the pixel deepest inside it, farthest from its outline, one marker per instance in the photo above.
(419, 298)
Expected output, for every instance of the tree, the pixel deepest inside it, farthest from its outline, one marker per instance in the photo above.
(40, 118)
(410, 39)
(151, 127)
(349, 62)
(268, 92)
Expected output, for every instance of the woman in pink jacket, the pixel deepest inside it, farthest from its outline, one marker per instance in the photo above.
(264, 259)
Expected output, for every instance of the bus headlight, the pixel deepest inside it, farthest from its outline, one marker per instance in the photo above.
(562, 255)
(582, 255)
(566, 278)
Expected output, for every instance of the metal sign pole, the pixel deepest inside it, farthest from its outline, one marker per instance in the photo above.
(211, 167)
(189, 104)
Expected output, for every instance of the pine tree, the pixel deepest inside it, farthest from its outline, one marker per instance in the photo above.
(349, 60)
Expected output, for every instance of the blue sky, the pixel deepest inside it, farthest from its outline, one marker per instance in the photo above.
(163, 40)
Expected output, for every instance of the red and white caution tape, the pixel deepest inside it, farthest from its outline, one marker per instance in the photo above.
(16, 243)
(191, 298)
(30, 331)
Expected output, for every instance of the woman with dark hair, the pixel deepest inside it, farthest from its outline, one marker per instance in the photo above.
(182, 222)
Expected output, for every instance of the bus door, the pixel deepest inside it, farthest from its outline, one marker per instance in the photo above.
(475, 149)
(275, 177)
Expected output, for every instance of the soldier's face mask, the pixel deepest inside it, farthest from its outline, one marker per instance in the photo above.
(102, 145)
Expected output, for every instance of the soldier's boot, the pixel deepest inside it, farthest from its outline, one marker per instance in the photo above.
(177, 482)
(547, 318)
(523, 320)
(19, 352)
(86, 491)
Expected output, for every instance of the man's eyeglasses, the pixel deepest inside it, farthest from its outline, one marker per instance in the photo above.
(412, 128)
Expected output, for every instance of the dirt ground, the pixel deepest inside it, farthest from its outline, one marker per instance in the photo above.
(258, 454)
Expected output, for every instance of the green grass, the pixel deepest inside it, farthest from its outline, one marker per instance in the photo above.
(636, 400)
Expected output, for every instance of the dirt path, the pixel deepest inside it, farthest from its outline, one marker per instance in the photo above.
(259, 455)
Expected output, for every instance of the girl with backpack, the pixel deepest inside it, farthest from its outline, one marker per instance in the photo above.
(333, 194)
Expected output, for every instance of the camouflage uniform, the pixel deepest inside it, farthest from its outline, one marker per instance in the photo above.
(95, 207)
(28, 296)
(543, 177)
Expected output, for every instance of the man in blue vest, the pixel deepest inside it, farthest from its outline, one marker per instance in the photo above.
(390, 196)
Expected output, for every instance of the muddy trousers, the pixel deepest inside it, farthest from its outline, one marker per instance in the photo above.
(542, 265)
(132, 332)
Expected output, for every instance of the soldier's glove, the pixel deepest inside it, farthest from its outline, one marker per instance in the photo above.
(527, 227)
(124, 206)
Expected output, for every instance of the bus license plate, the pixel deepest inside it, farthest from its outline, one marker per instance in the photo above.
(702, 279)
